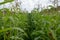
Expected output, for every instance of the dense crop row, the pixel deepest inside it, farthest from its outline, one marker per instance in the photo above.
(29, 26)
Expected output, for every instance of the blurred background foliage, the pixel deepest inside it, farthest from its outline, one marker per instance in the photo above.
(37, 25)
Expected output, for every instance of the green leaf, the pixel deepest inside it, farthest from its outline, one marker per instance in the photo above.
(4, 30)
(6, 1)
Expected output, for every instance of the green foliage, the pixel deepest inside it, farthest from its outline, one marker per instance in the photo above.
(6, 1)
(29, 26)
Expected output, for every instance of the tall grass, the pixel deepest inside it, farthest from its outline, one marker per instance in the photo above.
(29, 26)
